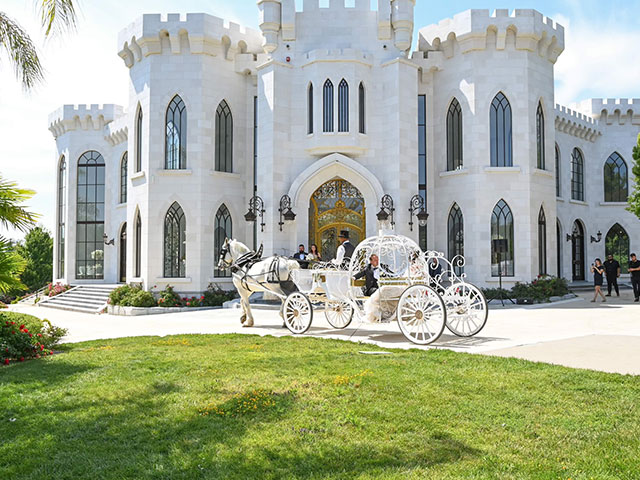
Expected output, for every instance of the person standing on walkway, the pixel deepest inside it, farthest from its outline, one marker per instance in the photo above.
(634, 271)
(598, 270)
(612, 272)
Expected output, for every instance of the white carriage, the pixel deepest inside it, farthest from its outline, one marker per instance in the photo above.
(421, 303)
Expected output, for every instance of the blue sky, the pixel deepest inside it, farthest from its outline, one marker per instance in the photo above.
(601, 59)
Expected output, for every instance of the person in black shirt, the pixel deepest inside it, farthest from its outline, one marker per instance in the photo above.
(301, 257)
(612, 272)
(634, 271)
(598, 270)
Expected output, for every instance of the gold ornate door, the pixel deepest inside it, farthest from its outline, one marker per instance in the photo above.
(336, 205)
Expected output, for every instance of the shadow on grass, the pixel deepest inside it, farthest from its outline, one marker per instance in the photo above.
(150, 434)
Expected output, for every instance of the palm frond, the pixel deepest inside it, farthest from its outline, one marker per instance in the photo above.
(12, 212)
(21, 51)
(57, 16)
(11, 267)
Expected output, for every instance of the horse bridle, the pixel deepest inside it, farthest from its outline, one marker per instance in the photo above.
(223, 255)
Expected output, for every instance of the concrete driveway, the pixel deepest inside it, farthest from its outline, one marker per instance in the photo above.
(574, 333)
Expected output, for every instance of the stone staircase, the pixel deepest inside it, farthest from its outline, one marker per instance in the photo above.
(81, 298)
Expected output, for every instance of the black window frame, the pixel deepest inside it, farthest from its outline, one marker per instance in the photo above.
(327, 107)
(454, 136)
(501, 131)
(503, 227)
(615, 190)
(224, 138)
(174, 242)
(175, 156)
(577, 175)
(223, 228)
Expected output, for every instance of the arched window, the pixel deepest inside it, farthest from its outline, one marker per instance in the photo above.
(343, 106)
(558, 189)
(175, 156)
(138, 246)
(175, 233)
(90, 216)
(62, 200)
(542, 242)
(123, 253)
(222, 229)
(502, 258)
(454, 136)
(139, 140)
(361, 109)
(616, 243)
(558, 248)
(615, 179)
(540, 137)
(124, 164)
(577, 175)
(501, 137)
(310, 109)
(224, 138)
(455, 237)
(327, 107)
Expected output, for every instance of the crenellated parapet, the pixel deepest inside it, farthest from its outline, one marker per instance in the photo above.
(612, 111)
(117, 132)
(576, 124)
(428, 61)
(474, 30)
(83, 117)
(196, 33)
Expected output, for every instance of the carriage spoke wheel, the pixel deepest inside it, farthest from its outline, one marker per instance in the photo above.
(467, 309)
(421, 314)
(338, 314)
(297, 312)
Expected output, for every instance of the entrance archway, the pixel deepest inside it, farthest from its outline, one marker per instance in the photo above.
(577, 251)
(336, 205)
(617, 244)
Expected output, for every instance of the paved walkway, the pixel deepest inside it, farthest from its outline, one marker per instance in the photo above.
(575, 333)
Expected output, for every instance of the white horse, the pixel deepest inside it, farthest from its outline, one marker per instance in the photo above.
(250, 275)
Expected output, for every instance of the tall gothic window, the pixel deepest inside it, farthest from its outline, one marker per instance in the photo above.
(558, 248)
(175, 156)
(501, 135)
(139, 140)
(224, 138)
(310, 109)
(222, 229)
(361, 109)
(138, 246)
(124, 165)
(455, 237)
(175, 242)
(558, 183)
(502, 229)
(422, 163)
(327, 107)
(343, 106)
(62, 197)
(542, 242)
(454, 136)
(540, 137)
(615, 179)
(90, 216)
(577, 175)
(616, 243)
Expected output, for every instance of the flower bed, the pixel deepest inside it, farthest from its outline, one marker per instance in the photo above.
(56, 289)
(24, 336)
(543, 289)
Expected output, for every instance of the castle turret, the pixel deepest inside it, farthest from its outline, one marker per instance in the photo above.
(270, 21)
(402, 22)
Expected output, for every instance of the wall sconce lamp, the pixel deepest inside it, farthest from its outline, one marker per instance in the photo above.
(256, 207)
(416, 204)
(386, 209)
(286, 214)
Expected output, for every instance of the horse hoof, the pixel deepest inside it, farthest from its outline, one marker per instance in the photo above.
(284, 325)
(243, 318)
(246, 325)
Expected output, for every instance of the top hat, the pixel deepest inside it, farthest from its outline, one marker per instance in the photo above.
(344, 234)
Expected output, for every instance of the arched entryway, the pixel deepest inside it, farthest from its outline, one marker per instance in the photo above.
(617, 244)
(336, 205)
(122, 277)
(577, 251)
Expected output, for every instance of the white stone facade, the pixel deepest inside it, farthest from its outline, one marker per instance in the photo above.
(266, 76)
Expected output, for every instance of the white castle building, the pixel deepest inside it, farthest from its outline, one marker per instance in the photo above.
(327, 110)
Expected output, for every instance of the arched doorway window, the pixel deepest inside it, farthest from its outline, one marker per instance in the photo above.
(542, 242)
(90, 216)
(616, 243)
(336, 205)
(455, 237)
(175, 233)
(223, 228)
(577, 250)
(502, 248)
(616, 181)
(123, 253)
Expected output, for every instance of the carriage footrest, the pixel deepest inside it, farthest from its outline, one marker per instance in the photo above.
(288, 287)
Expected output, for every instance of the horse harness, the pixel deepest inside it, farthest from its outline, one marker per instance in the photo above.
(243, 264)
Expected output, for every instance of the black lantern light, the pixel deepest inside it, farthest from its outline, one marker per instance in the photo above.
(286, 214)
(599, 237)
(386, 209)
(256, 207)
(417, 205)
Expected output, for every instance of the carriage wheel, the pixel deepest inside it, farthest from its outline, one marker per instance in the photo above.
(467, 309)
(421, 314)
(338, 314)
(297, 312)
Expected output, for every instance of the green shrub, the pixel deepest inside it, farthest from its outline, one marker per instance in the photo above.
(132, 296)
(540, 290)
(169, 298)
(215, 296)
(24, 336)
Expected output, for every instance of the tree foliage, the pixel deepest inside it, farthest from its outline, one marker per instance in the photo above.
(37, 250)
(634, 198)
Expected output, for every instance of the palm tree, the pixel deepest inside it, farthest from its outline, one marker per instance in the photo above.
(56, 16)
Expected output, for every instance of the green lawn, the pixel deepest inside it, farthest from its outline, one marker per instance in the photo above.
(203, 406)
